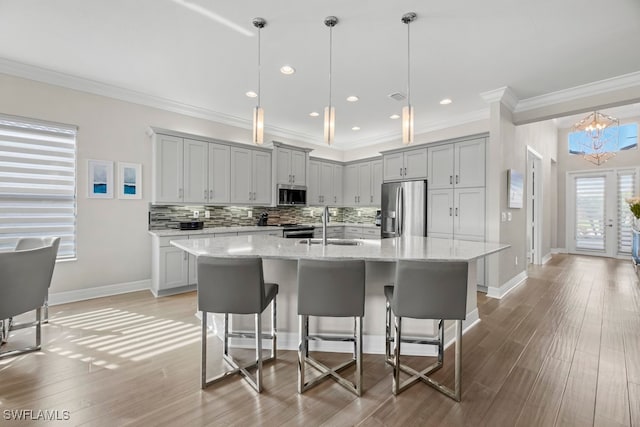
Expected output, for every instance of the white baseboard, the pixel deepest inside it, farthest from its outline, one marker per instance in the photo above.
(503, 290)
(559, 250)
(98, 292)
(546, 258)
(371, 344)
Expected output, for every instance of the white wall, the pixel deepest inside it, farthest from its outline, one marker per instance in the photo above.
(113, 245)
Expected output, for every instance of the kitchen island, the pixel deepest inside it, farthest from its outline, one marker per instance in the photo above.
(280, 258)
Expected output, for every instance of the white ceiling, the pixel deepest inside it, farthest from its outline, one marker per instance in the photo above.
(202, 54)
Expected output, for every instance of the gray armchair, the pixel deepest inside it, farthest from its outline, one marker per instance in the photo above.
(25, 276)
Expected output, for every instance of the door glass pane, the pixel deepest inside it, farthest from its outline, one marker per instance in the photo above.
(590, 212)
(625, 190)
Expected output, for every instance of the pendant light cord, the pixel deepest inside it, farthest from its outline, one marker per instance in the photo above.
(330, 61)
(409, 63)
(259, 64)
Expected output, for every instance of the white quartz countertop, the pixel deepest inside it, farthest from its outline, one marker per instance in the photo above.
(213, 230)
(411, 248)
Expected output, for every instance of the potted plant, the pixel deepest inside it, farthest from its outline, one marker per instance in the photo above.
(634, 207)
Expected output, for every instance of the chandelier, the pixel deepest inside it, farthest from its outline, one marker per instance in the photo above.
(597, 136)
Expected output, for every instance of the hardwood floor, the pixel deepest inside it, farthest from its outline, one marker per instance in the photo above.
(562, 349)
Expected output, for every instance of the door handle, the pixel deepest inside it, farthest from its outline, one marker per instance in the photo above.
(457, 179)
(450, 211)
(450, 179)
(293, 178)
(456, 211)
(405, 171)
(400, 171)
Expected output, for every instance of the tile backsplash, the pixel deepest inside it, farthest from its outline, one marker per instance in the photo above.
(167, 216)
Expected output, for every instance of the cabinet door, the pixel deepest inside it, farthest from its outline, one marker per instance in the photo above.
(241, 175)
(469, 213)
(219, 173)
(168, 169)
(174, 268)
(313, 187)
(326, 184)
(440, 167)
(261, 164)
(440, 213)
(470, 163)
(283, 162)
(376, 183)
(364, 184)
(393, 167)
(351, 183)
(415, 164)
(338, 172)
(298, 167)
(196, 171)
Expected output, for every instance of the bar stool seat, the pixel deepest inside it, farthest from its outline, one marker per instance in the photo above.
(236, 286)
(330, 288)
(426, 290)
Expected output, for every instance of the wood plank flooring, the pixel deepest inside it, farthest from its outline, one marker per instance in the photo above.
(562, 349)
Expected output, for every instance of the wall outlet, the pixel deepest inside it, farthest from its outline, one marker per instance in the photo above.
(359, 213)
(249, 213)
(196, 214)
(312, 213)
(207, 214)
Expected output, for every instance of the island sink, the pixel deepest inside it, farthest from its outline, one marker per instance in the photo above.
(342, 242)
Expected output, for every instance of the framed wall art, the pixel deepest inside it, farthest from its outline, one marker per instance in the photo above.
(515, 183)
(129, 180)
(100, 174)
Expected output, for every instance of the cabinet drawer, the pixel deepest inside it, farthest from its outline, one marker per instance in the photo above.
(370, 233)
(353, 230)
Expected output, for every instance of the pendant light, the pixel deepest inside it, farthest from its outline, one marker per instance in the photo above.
(258, 112)
(407, 111)
(329, 111)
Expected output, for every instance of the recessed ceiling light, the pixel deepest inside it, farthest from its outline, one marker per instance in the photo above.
(446, 101)
(287, 69)
(355, 128)
(251, 94)
(352, 98)
(394, 116)
(314, 114)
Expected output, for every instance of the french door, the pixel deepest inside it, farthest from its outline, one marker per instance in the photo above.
(598, 217)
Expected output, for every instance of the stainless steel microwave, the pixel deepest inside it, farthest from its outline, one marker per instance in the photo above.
(289, 195)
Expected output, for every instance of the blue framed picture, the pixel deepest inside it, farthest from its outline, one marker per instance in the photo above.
(129, 180)
(100, 179)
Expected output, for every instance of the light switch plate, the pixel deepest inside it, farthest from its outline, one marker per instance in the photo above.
(503, 216)
(508, 216)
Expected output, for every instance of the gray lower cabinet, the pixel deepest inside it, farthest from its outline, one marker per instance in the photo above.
(174, 271)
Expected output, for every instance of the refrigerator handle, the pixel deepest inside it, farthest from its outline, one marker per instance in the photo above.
(397, 222)
(401, 211)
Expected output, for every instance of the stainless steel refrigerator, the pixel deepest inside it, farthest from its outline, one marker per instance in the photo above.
(404, 209)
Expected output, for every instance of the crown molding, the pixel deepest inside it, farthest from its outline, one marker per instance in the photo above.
(622, 82)
(504, 95)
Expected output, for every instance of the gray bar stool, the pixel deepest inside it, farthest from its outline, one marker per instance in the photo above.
(236, 286)
(331, 288)
(426, 290)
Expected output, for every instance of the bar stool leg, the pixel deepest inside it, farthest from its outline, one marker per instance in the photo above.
(358, 355)
(225, 344)
(274, 329)
(259, 351)
(396, 364)
(203, 363)
(458, 362)
(387, 343)
(302, 351)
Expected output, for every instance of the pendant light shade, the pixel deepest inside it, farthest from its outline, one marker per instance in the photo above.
(258, 112)
(329, 111)
(407, 111)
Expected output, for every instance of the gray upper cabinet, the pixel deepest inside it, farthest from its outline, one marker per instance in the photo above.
(167, 170)
(363, 183)
(457, 165)
(219, 173)
(324, 183)
(290, 165)
(404, 165)
(196, 168)
(250, 176)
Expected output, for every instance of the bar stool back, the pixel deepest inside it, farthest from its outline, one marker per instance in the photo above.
(236, 286)
(331, 288)
(426, 290)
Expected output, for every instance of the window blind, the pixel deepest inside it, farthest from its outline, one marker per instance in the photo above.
(37, 182)
(590, 209)
(626, 185)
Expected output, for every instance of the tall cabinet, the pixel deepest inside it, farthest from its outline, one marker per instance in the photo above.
(456, 190)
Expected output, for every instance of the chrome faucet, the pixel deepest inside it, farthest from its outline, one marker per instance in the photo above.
(325, 220)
